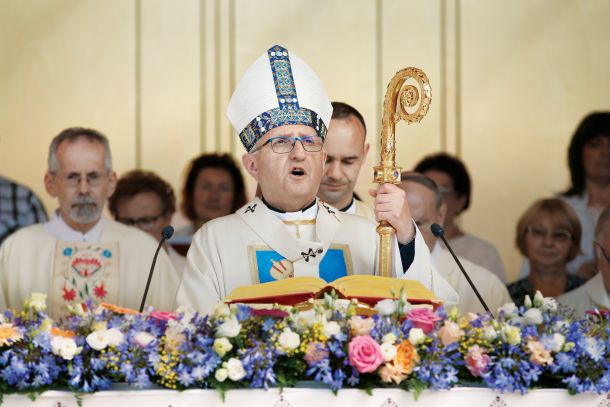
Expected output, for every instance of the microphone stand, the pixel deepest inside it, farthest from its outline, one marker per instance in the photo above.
(438, 231)
(166, 233)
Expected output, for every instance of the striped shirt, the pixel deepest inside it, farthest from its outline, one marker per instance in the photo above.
(19, 207)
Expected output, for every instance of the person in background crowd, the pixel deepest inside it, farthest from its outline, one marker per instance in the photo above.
(19, 207)
(548, 235)
(78, 256)
(427, 207)
(453, 180)
(589, 191)
(346, 150)
(144, 200)
(595, 293)
(214, 187)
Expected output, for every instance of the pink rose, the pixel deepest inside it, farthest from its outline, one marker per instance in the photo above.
(364, 354)
(477, 361)
(423, 318)
(163, 316)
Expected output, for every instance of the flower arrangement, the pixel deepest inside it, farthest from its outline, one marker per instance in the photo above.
(239, 346)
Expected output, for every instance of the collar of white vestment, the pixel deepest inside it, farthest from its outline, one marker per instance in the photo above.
(60, 230)
(351, 208)
(270, 227)
(306, 214)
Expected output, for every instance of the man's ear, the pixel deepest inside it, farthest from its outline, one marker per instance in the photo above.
(112, 183)
(442, 213)
(250, 164)
(49, 184)
(367, 146)
(461, 199)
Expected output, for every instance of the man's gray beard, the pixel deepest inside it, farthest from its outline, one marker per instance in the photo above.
(85, 210)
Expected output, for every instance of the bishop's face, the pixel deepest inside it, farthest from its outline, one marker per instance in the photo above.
(288, 181)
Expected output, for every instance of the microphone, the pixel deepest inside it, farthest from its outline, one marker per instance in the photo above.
(166, 233)
(438, 231)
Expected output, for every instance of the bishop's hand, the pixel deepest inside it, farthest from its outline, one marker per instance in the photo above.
(391, 206)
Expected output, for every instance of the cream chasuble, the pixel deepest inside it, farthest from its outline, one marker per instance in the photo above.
(490, 287)
(591, 295)
(254, 245)
(29, 263)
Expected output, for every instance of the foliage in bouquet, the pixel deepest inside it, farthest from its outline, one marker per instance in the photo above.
(30, 353)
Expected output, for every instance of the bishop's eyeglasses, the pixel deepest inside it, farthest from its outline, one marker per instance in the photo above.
(285, 144)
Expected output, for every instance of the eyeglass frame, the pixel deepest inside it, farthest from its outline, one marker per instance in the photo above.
(294, 140)
(139, 222)
(552, 233)
(73, 179)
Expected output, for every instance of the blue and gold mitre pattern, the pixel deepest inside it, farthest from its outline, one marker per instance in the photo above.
(289, 112)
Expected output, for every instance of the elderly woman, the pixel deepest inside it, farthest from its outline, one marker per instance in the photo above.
(214, 187)
(589, 192)
(453, 180)
(548, 235)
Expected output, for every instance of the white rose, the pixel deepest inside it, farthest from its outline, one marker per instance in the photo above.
(386, 307)
(222, 346)
(390, 338)
(555, 342)
(221, 374)
(307, 318)
(97, 340)
(230, 328)
(143, 339)
(388, 351)
(235, 369)
(510, 309)
(532, 316)
(331, 329)
(289, 340)
(489, 333)
(114, 337)
(36, 302)
(416, 336)
(65, 347)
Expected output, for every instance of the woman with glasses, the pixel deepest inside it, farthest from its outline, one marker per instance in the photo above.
(548, 235)
(144, 200)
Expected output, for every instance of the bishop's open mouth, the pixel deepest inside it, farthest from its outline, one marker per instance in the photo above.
(297, 172)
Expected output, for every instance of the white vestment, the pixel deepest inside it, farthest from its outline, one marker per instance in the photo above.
(27, 261)
(253, 245)
(490, 287)
(480, 252)
(591, 295)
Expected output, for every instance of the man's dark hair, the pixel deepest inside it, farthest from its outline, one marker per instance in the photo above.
(594, 125)
(138, 181)
(343, 111)
(453, 167)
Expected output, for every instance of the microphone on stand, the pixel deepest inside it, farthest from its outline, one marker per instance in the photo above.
(166, 233)
(438, 231)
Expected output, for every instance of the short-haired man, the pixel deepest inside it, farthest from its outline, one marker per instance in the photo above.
(19, 207)
(346, 150)
(427, 207)
(281, 113)
(146, 201)
(595, 293)
(78, 256)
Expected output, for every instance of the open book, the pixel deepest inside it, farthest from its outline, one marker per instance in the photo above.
(367, 289)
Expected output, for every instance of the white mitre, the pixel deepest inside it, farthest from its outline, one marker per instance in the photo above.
(278, 89)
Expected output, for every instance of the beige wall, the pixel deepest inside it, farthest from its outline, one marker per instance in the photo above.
(510, 81)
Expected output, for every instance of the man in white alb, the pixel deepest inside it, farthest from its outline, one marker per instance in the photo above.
(78, 256)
